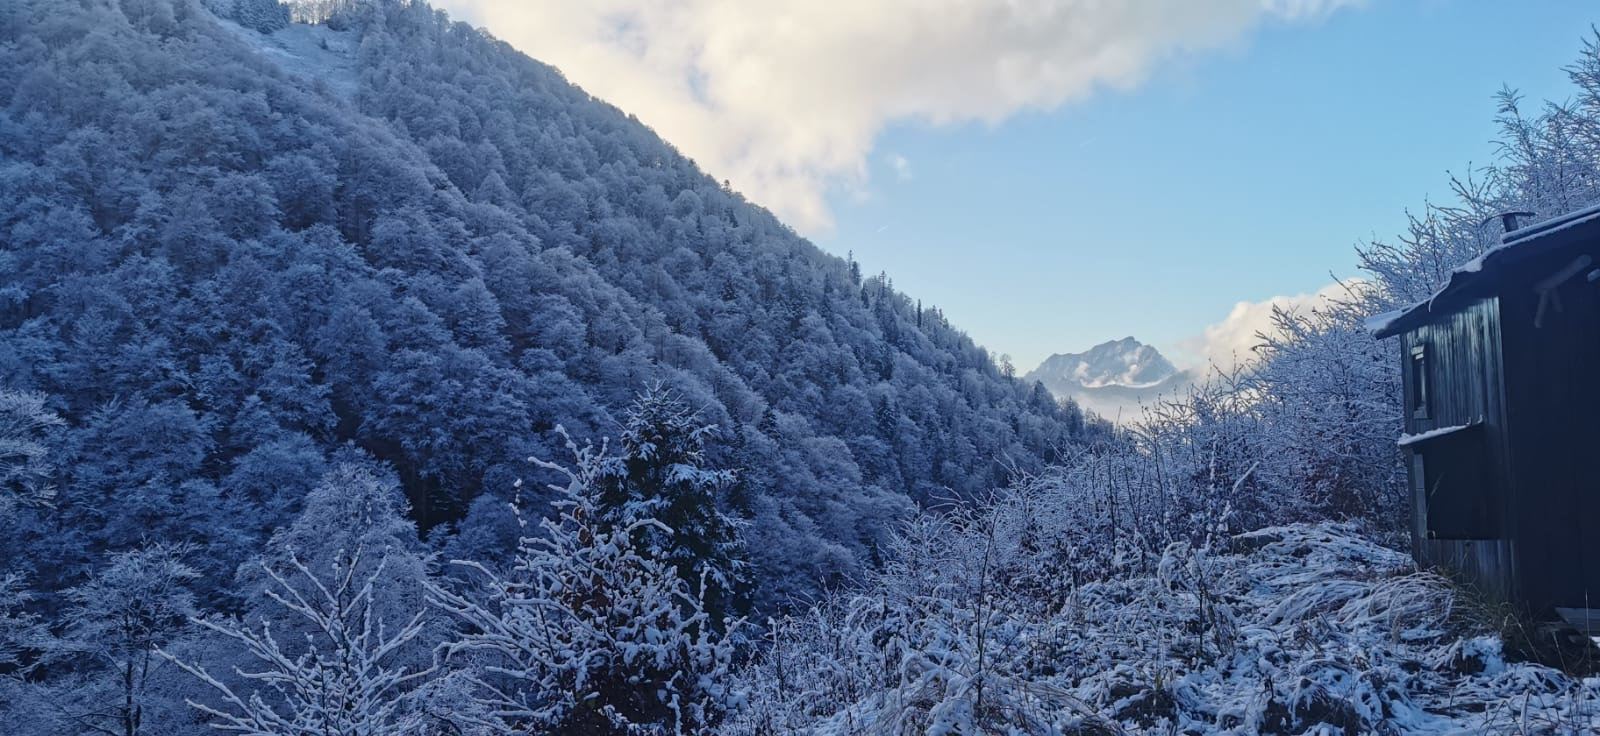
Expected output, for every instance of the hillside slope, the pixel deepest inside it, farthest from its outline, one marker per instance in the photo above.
(230, 257)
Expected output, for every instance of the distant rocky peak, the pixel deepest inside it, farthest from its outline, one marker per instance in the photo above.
(1126, 362)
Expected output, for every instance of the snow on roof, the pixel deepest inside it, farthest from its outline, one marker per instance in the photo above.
(1381, 321)
(1514, 245)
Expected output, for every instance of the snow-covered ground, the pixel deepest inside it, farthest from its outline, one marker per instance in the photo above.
(1288, 630)
(314, 52)
(1336, 634)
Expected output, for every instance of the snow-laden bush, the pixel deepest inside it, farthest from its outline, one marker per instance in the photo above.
(1293, 629)
(1328, 395)
(937, 643)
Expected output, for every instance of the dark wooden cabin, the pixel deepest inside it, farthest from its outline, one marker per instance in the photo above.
(1501, 375)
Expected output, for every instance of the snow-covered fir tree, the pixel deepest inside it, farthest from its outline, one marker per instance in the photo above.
(586, 632)
(662, 471)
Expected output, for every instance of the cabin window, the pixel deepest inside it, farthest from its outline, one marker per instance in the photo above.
(1419, 382)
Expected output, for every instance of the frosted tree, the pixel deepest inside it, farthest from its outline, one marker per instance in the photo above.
(22, 636)
(139, 602)
(340, 678)
(356, 506)
(19, 630)
(663, 473)
(585, 633)
(25, 472)
(316, 11)
(1548, 163)
(1329, 392)
(25, 468)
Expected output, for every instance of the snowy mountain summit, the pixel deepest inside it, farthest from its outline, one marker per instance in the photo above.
(1126, 362)
(1111, 377)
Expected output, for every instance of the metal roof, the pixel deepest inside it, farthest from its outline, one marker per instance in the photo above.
(1480, 276)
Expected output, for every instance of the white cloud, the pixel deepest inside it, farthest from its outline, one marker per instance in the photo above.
(786, 97)
(901, 167)
(1232, 341)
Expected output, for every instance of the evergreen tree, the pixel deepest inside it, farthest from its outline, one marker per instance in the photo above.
(587, 633)
(664, 473)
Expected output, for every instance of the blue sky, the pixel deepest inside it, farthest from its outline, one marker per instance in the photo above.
(1233, 176)
(1053, 174)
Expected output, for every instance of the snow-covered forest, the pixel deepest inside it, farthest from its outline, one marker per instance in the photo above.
(361, 376)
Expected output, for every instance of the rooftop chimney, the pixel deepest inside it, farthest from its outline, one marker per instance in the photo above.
(1508, 219)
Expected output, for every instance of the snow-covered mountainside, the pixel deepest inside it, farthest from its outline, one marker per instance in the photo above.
(236, 247)
(1110, 378)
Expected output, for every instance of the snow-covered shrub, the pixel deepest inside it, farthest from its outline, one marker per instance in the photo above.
(1292, 629)
(1329, 401)
(954, 635)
